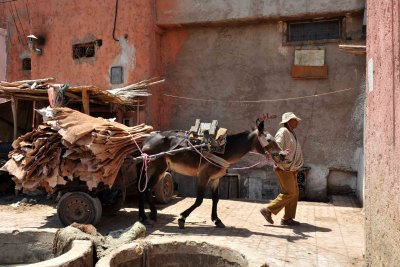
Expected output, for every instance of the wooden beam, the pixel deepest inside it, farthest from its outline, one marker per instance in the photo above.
(137, 114)
(33, 114)
(85, 101)
(14, 108)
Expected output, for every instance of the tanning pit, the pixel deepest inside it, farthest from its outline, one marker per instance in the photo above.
(188, 253)
(34, 248)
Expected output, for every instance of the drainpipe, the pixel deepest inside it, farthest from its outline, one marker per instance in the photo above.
(115, 20)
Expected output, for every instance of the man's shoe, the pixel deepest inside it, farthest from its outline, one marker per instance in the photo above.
(267, 215)
(289, 222)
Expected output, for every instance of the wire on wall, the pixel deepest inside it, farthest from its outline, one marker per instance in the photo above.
(7, 1)
(257, 101)
(27, 12)
(22, 26)
(15, 23)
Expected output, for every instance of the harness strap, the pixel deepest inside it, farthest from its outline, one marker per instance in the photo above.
(220, 161)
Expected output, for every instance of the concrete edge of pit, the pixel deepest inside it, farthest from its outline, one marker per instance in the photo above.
(80, 254)
(133, 250)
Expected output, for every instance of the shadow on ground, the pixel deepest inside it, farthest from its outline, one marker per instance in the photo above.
(124, 218)
(301, 232)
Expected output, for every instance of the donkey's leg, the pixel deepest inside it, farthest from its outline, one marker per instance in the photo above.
(156, 168)
(153, 209)
(215, 199)
(199, 199)
(142, 213)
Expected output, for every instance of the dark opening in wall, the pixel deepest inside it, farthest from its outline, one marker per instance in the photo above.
(26, 64)
(84, 50)
(313, 30)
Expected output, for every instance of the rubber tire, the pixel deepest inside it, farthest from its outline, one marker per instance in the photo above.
(80, 199)
(164, 189)
(110, 209)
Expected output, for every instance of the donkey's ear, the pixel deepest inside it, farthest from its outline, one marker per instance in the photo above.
(260, 125)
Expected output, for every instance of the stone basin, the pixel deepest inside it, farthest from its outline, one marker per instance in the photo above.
(171, 254)
(34, 248)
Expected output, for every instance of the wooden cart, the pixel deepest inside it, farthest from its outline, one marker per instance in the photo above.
(78, 204)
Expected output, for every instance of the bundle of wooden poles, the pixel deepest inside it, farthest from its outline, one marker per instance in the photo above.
(27, 84)
(70, 144)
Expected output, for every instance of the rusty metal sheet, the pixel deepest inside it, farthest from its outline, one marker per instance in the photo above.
(310, 72)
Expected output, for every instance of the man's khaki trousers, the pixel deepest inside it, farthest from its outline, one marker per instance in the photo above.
(288, 196)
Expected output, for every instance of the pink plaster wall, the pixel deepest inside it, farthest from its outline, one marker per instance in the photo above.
(3, 54)
(64, 23)
(382, 135)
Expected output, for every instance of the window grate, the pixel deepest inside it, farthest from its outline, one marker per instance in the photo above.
(314, 31)
(83, 50)
(26, 64)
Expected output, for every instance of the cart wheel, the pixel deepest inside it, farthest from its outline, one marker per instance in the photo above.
(79, 207)
(164, 189)
(112, 200)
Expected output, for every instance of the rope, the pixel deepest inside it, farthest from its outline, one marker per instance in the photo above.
(248, 167)
(145, 166)
(257, 101)
(201, 155)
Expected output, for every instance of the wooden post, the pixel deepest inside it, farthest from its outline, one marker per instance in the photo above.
(14, 108)
(33, 114)
(137, 112)
(85, 101)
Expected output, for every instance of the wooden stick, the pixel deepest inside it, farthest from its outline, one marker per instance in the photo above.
(85, 101)
(14, 106)
(33, 114)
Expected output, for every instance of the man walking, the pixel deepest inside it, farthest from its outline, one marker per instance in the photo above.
(286, 172)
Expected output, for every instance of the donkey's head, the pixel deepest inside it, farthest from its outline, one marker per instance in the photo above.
(266, 143)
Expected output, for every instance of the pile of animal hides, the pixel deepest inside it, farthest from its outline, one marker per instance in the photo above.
(72, 144)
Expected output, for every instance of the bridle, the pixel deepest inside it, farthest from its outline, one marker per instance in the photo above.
(263, 141)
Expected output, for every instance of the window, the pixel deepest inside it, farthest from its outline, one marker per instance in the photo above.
(26, 64)
(83, 50)
(313, 31)
(116, 75)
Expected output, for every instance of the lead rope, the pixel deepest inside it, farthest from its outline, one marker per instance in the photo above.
(145, 166)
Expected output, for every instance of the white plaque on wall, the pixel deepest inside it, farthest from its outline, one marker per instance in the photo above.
(370, 74)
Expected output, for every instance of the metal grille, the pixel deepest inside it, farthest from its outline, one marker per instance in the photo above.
(26, 64)
(314, 31)
(83, 50)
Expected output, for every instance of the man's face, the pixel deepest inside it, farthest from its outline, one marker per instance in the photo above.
(293, 123)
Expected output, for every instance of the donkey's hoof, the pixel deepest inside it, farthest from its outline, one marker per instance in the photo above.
(181, 223)
(153, 216)
(145, 222)
(219, 224)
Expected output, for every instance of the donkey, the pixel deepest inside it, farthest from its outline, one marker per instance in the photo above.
(191, 163)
